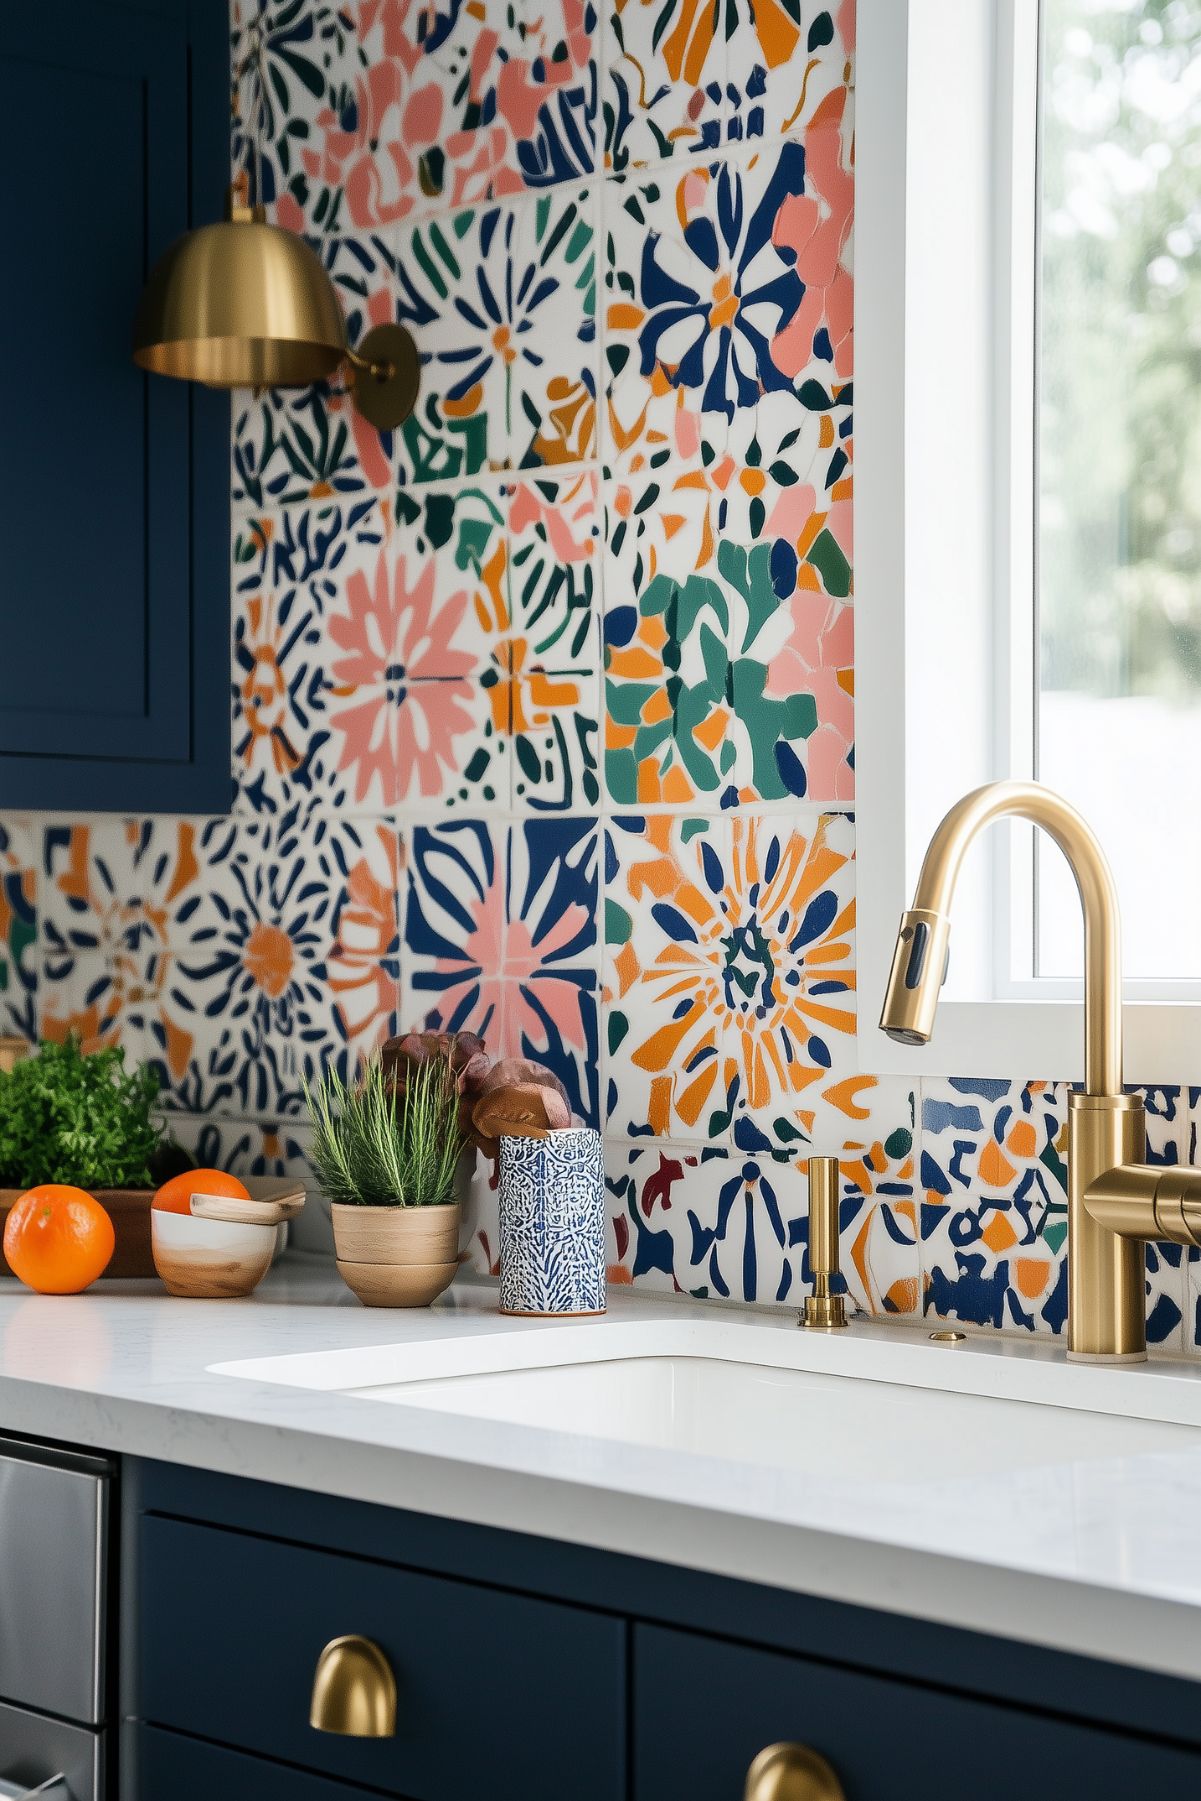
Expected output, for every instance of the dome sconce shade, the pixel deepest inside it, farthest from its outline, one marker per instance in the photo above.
(244, 304)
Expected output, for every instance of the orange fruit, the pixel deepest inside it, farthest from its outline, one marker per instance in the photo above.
(175, 1196)
(57, 1239)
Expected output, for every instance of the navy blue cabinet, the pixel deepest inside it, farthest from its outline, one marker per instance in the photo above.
(533, 1671)
(114, 488)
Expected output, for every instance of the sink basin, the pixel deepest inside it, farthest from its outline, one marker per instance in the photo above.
(771, 1396)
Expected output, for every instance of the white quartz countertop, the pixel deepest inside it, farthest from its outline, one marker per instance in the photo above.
(1098, 1554)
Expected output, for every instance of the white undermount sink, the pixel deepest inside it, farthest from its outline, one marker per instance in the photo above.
(767, 1394)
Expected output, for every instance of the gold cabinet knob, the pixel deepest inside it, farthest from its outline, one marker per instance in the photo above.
(792, 1773)
(354, 1690)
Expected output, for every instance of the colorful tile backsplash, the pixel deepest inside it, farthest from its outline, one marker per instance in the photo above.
(543, 705)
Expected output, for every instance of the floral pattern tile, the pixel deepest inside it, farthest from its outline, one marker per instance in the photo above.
(313, 617)
(502, 301)
(555, 725)
(378, 109)
(783, 62)
(706, 1222)
(664, 70)
(295, 971)
(554, 523)
(500, 939)
(296, 445)
(994, 1205)
(18, 929)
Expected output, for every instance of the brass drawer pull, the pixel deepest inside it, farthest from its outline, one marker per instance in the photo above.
(354, 1690)
(792, 1773)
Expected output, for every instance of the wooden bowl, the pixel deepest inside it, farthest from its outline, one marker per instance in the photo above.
(209, 1259)
(397, 1284)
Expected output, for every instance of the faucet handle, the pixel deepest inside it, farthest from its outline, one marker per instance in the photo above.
(824, 1311)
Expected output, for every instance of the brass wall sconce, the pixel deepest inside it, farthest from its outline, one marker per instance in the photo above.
(244, 304)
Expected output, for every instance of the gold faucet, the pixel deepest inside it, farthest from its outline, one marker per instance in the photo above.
(1116, 1200)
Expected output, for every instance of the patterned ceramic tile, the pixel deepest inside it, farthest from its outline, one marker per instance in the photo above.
(706, 1222)
(667, 306)
(500, 939)
(93, 998)
(302, 68)
(789, 983)
(502, 301)
(783, 62)
(18, 929)
(709, 693)
(313, 620)
(452, 582)
(664, 68)
(667, 923)
(553, 528)
(994, 1208)
(295, 445)
(453, 745)
(300, 975)
(555, 725)
(385, 107)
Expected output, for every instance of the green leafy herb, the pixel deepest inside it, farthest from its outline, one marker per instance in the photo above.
(85, 1119)
(377, 1147)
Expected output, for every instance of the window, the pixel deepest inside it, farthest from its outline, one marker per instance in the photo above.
(1118, 472)
(1028, 489)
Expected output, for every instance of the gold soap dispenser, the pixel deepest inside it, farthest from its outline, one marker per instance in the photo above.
(824, 1310)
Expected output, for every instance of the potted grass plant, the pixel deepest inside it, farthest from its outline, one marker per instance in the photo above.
(387, 1154)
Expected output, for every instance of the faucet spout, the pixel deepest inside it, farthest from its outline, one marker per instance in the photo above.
(919, 961)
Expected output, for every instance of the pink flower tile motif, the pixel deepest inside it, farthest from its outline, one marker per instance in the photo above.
(18, 929)
(453, 745)
(553, 529)
(502, 301)
(297, 977)
(454, 580)
(293, 446)
(783, 63)
(994, 1206)
(392, 107)
(664, 76)
(500, 939)
(306, 690)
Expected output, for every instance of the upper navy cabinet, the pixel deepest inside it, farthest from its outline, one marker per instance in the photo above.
(114, 488)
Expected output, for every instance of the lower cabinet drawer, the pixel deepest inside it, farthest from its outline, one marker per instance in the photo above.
(705, 1708)
(170, 1768)
(499, 1695)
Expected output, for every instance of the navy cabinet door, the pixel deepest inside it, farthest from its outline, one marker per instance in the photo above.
(704, 1709)
(114, 585)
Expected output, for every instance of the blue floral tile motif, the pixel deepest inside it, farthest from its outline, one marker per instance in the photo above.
(500, 939)
(994, 1206)
(292, 971)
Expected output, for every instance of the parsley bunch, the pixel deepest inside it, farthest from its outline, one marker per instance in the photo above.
(85, 1119)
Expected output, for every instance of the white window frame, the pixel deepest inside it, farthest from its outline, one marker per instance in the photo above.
(944, 335)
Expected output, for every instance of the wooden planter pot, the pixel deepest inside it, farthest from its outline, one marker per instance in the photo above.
(397, 1256)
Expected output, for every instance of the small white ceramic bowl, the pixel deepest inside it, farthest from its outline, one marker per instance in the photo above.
(208, 1259)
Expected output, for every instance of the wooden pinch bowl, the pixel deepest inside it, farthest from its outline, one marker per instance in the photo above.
(209, 1259)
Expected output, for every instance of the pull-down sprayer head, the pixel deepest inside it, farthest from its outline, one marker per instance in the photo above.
(919, 969)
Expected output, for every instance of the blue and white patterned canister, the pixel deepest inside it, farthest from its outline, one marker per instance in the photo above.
(551, 1198)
